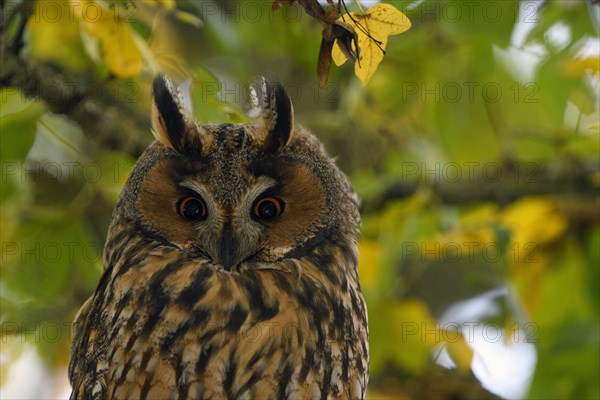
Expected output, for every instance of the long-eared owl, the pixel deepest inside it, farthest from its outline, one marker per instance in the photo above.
(230, 267)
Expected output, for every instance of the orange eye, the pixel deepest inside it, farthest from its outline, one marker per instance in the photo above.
(268, 208)
(192, 208)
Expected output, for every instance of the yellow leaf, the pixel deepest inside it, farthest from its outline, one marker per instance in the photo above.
(389, 20)
(368, 263)
(121, 55)
(336, 54)
(373, 29)
(168, 4)
(534, 223)
(480, 216)
(369, 58)
(183, 16)
(459, 351)
(578, 66)
(119, 49)
(534, 220)
(188, 18)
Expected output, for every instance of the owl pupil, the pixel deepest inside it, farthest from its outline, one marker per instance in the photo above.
(267, 210)
(192, 209)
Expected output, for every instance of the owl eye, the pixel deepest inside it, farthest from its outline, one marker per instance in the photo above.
(268, 208)
(192, 208)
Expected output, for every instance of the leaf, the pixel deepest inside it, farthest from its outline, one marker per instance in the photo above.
(53, 24)
(577, 67)
(369, 262)
(167, 4)
(389, 19)
(534, 220)
(18, 122)
(209, 102)
(403, 333)
(373, 29)
(120, 50)
(346, 38)
(458, 350)
(116, 167)
(188, 18)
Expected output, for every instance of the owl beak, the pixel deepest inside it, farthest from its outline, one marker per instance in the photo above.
(228, 248)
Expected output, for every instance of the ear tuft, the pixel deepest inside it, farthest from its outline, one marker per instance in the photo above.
(276, 112)
(170, 120)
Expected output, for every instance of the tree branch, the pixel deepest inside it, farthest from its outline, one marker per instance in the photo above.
(495, 182)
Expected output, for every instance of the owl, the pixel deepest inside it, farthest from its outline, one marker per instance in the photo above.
(230, 267)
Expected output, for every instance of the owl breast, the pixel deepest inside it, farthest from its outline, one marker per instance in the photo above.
(174, 325)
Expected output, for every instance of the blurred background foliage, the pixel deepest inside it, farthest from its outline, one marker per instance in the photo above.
(474, 147)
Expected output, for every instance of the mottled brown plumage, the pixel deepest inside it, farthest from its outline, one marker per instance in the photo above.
(230, 267)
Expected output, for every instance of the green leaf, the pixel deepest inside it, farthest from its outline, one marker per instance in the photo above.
(54, 35)
(212, 104)
(42, 255)
(115, 168)
(592, 254)
(401, 333)
(18, 121)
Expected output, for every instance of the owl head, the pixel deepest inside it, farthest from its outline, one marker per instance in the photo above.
(237, 194)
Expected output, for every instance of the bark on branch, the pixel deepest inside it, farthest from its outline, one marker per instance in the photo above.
(506, 184)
